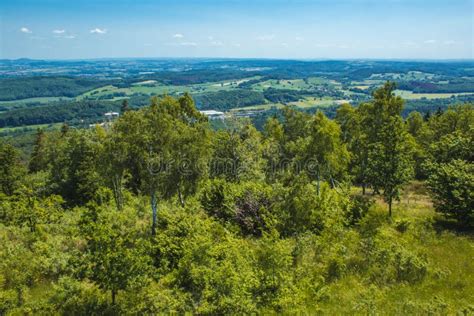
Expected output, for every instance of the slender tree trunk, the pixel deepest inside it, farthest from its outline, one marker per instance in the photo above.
(180, 196)
(390, 207)
(154, 205)
(32, 225)
(117, 189)
(363, 188)
(318, 184)
(19, 296)
(114, 292)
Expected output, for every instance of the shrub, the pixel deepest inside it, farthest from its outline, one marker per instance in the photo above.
(452, 189)
(359, 208)
(246, 205)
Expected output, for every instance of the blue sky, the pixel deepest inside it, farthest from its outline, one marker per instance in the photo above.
(401, 29)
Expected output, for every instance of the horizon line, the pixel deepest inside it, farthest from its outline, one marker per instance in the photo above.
(244, 58)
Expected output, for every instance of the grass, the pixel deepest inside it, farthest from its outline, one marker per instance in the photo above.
(5, 130)
(409, 95)
(307, 102)
(294, 84)
(447, 288)
(24, 102)
(153, 88)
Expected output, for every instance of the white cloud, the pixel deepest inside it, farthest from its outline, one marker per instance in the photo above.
(267, 37)
(299, 38)
(431, 41)
(236, 44)
(449, 42)
(178, 35)
(181, 44)
(284, 44)
(25, 30)
(59, 31)
(69, 36)
(409, 43)
(98, 31)
(214, 42)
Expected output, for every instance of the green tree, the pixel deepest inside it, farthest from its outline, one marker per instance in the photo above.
(125, 106)
(39, 156)
(452, 189)
(354, 136)
(74, 172)
(32, 205)
(114, 162)
(190, 151)
(274, 152)
(322, 154)
(167, 145)
(114, 258)
(390, 155)
(414, 123)
(238, 154)
(11, 169)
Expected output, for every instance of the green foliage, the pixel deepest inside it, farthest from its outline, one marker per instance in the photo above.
(72, 297)
(39, 158)
(246, 205)
(448, 140)
(301, 208)
(389, 156)
(80, 113)
(225, 100)
(237, 154)
(280, 231)
(30, 207)
(452, 188)
(322, 153)
(22, 88)
(11, 169)
(360, 206)
(283, 95)
(74, 168)
(113, 259)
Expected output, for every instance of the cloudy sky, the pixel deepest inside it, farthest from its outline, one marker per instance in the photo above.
(402, 29)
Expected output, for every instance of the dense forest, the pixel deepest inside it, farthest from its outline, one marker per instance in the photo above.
(22, 88)
(367, 213)
(73, 112)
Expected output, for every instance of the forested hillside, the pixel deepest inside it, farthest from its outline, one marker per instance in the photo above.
(22, 88)
(158, 213)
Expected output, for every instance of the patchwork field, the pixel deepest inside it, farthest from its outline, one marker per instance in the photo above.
(295, 84)
(308, 102)
(409, 95)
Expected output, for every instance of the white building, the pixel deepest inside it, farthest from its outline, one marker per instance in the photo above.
(213, 115)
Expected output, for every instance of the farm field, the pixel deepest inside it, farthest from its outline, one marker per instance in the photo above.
(409, 95)
(307, 102)
(228, 85)
(294, 84)
(28, 128)
(42, 100)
